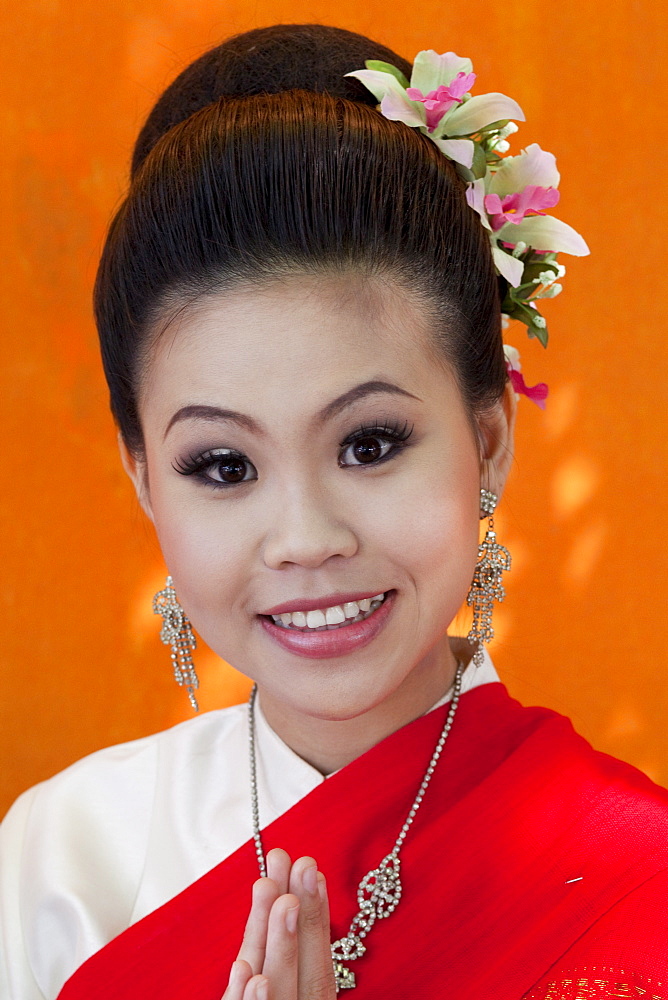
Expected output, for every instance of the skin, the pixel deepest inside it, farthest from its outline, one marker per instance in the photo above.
(314, 519)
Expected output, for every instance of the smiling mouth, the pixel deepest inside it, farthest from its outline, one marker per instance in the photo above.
(278, 620)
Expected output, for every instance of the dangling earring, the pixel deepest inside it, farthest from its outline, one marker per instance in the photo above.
(177, 632)
(486, 587)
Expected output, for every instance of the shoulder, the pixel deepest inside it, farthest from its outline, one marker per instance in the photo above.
(113, 789)
(540, 760)
(102, 805)
(73, 849)
(606, 799)
(130, 768)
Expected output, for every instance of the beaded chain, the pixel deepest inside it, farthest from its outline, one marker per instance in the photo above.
(380, 890)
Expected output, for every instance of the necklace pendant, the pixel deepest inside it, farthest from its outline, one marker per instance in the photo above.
(343, 977)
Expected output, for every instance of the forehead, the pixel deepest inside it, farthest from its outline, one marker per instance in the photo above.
(292, 345)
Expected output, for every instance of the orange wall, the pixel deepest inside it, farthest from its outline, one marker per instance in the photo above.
(585, 619)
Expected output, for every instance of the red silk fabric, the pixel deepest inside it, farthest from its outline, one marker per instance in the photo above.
(526, 843)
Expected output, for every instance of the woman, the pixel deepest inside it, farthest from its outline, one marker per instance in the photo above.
(299, 308)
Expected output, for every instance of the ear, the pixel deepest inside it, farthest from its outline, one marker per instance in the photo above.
(137, 471)
(497, 433)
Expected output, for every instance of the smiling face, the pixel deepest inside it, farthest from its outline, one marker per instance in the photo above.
(316, 490)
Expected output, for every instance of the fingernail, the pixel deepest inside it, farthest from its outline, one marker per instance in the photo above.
(310, 879)
(291, 919)
(322, 888)
(262, 991)
(235, 972)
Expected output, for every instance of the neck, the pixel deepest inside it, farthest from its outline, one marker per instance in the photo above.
(330, 744)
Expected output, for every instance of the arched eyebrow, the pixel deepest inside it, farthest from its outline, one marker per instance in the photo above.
(216, 413)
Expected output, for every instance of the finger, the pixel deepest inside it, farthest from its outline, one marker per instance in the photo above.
(316, 973)
(257, 988)
(240, 975)
(328, 962)
(253, 946)
(281, 964)
(324, 912)
(278, 868)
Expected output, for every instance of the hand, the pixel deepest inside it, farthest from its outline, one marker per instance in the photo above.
(285, 953)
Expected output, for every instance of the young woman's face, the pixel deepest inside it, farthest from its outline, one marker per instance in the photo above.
(303, 445)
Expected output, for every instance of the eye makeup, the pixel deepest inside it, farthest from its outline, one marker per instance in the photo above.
(230, 462)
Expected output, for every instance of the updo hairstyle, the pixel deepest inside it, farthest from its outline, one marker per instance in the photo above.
(261, 160)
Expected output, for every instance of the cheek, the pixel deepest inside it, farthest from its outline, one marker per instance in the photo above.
(206, 561)
(440, 537)
(431, 528)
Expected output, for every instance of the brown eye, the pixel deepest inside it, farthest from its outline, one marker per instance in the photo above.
(367, 450)
(219, 468)
(231, 469)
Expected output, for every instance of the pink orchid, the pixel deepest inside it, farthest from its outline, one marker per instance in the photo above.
(537, 393)
(532, 200)
(438, 102)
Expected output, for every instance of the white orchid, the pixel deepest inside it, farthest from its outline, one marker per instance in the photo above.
(511, 194)
(511, 202)
(437, 100)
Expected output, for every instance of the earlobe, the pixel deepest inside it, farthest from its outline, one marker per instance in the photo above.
(136, 470)
(498, 437)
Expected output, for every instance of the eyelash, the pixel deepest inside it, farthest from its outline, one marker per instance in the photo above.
(196, 465)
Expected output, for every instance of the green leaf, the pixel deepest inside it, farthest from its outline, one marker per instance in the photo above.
(495, 126)
(524, 314)
(534, 269)
(383, 67)
(464, 172)
(522, 292)
(479, 165)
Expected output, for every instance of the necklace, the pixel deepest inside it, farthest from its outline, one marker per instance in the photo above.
(379, 892)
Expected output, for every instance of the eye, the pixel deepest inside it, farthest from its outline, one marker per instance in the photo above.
(221, 467)
(367, 450)
(375, 444)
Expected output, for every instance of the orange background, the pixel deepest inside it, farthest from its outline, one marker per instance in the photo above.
(584, 623)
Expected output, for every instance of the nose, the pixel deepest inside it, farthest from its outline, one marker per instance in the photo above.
(306, 529)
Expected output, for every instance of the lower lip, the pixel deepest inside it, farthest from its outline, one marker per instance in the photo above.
(337, 642)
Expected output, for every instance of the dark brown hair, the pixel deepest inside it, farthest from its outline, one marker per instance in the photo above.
(262, 159)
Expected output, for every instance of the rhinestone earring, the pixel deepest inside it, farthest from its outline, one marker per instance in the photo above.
(177, 632)
(486, 587)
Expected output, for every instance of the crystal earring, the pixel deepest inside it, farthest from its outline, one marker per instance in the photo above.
(486, 587)
(177, 632)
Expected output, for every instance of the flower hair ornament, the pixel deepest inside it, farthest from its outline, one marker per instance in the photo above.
(511, 194)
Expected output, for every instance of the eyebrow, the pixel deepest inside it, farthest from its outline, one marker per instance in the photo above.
(216, 413)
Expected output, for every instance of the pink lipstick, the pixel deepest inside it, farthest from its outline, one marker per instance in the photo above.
(335, 642)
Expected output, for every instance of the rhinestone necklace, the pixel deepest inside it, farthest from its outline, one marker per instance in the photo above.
(379, 892)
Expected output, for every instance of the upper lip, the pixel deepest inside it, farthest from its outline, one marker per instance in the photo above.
(312, 604)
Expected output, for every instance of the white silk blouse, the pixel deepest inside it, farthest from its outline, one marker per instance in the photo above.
(113, 837)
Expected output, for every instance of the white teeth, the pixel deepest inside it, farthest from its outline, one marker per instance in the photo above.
(314, 619)
(332, 617)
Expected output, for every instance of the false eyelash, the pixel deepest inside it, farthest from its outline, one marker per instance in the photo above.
(195, 464)
(389, 429)
(192, 464)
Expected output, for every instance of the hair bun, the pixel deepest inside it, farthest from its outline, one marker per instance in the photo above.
(312, 57)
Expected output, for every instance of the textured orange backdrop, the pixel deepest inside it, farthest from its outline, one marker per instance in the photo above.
(584, 623)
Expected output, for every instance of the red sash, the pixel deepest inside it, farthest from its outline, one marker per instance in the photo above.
(519, 807)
